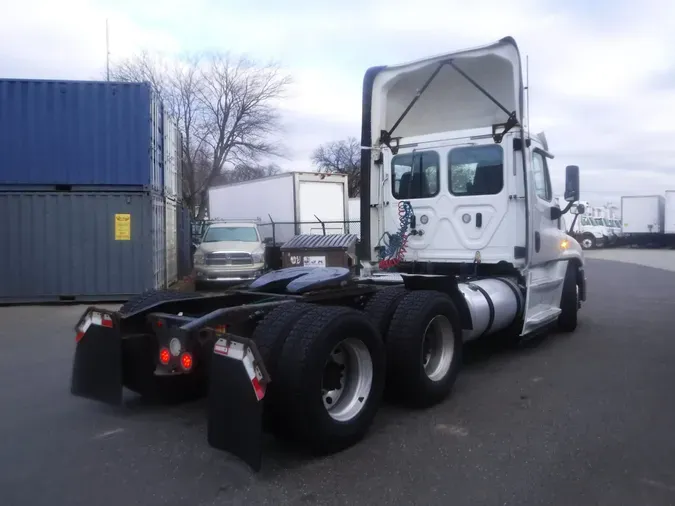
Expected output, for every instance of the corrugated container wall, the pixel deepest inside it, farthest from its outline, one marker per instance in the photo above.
(172, 154)
(80, 134)
(184, 241)
(60, 246)
(171, 241)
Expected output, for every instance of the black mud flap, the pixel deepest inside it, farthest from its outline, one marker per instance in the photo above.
(97, 368)
(237, 387)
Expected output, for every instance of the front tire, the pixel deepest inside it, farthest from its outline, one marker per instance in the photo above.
(424, 348)
(330, 378)
(588, 241)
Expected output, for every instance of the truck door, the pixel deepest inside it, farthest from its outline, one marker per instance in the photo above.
(545, 236)
(545, 276)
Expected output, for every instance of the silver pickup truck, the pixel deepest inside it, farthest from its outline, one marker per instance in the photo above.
(229, 252)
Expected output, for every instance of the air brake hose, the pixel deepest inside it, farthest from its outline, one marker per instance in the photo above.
(395, 250)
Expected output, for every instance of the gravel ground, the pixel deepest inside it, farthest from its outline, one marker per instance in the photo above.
(582, 419)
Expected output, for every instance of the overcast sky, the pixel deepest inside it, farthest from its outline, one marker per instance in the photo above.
(602, 73)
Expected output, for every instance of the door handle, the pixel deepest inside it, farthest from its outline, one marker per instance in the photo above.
(537, 242)
(479, 220)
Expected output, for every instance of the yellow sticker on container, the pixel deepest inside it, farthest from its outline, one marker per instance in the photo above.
(123, 227)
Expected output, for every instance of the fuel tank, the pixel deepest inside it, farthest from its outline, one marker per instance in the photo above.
(494, 304)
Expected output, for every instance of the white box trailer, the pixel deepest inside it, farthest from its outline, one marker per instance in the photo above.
(643, 214)
(669, 213)
(286, 205)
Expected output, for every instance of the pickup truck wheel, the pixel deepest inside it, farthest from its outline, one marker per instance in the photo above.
(270, 336)
(381, 306)
(569, 301)
(588, 241)
(424, 349)
(330, 378)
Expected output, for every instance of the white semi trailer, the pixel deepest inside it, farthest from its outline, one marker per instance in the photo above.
(285, 205)
(643, 219)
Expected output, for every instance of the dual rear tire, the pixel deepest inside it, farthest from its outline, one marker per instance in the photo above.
(328, 374)
(330, 365)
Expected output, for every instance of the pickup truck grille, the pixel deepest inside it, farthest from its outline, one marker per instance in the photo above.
(229, 259)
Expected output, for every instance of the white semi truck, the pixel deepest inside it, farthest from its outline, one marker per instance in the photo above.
(462, 240)
(585, 229)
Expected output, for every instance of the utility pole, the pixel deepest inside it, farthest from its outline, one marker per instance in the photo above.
(107, 50)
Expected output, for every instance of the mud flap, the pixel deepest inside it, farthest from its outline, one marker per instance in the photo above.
(238, 382)
(97, 367)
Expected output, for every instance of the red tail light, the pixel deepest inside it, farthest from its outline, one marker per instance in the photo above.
(186, 361)
(164, 356)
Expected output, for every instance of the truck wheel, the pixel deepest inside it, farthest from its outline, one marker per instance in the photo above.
(270, 336)
(150, 298)
(569, 301)
(588, 241)
(424, 348)
(381, 306)
(330, 378)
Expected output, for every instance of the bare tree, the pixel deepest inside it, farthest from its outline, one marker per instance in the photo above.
(343, 157)
(246, 172)
(225, 107)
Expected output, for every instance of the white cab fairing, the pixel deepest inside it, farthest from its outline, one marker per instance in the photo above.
(449, 127)
(451, 102)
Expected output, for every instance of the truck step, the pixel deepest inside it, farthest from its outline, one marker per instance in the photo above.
(546, 283)
(543, 314)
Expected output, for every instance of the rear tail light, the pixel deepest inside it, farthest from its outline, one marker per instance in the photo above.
(164, 356)
(186, 361)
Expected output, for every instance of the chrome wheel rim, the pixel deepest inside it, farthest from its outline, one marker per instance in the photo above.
(438, 348)
(347, 380)
(587, 243)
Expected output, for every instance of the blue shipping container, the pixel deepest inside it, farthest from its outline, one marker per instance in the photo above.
(80, 133)
(80, 246)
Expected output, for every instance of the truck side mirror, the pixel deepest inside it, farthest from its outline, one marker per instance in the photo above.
(572, 183)
(578, 209)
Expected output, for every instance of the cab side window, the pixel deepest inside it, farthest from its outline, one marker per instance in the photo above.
(542, 181)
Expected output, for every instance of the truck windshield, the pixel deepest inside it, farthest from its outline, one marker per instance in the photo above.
(219, 234)
(598, 222)
(607, 222)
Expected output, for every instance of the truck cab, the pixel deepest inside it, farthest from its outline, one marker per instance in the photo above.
(456, 185)
(229, 252)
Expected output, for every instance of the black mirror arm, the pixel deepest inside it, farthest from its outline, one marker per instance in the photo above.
(567, 208)
(572, 225)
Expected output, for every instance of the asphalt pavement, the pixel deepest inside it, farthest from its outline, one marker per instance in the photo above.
(581, 419)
